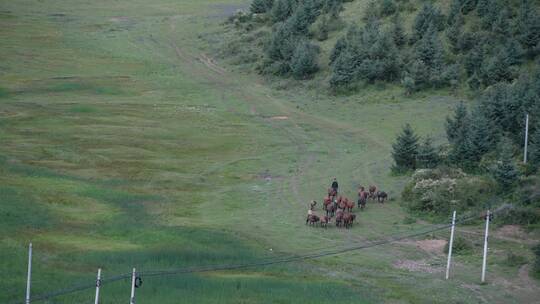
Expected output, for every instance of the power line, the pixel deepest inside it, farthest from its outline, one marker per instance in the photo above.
(210, 268)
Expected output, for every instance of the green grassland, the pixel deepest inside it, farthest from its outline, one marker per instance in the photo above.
(124, 144)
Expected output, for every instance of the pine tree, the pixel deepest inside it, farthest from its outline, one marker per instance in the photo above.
(496, 69)
(505, 172)
(282, 43)
(473, 61)
(405, 150)
(281, 10)
(343, 70)
(427, 17)
(427, 154)
(387, 7)
(455, 9)
(527, 28)
(304, 60)
(321, 32)
(340, 46)
(455, 30)
(482, 135)
(457, 123)
(430, 51)
(468, 6)
(474, 82)
(534, 150)
(398, 32)
(261, 6)
(419, 73)
(482, 7)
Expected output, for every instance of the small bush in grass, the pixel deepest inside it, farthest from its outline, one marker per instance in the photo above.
(515, 260)
(408, 220)
(536, 266)
(460, 246)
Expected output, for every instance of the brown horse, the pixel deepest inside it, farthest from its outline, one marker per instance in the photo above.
(332, 193)
(381, 196)
(330, 209)
(349, 204)
(372, 190)
(312, 219)
(339, 218)
(324, 221)
(348, 219)
(362, 199)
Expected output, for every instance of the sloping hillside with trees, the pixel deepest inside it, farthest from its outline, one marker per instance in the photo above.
(467, 44)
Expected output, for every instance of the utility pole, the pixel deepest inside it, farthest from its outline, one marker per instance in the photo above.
(526, 138)
(98, 284)
(132, 299)
(485, 248)
(29, 275)
(450, 244)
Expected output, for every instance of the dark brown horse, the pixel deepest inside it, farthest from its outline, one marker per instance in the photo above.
(372, 192)
(330, 209)
(324, 221)
(381, 196)
(362, 199)
(312, 219)
(339, 218)
(348, 219)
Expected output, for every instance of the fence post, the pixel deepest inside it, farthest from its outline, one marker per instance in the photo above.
(29, 274)
(485, 249)
(98, 284)
(132, 299)
(450, 244)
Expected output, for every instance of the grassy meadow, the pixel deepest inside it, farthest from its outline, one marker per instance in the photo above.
(123, 144)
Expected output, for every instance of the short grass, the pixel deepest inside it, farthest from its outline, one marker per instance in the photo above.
(124, 145)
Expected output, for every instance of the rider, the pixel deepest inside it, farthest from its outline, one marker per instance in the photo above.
(335, 185)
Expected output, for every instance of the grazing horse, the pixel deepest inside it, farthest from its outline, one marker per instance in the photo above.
(349, 204)
(362, 199)
(324, 221)
(381, 196)
(342, 205)
(312, 219)
(348, 219)
(339, 218)
(332, 193)
(372, 190)
(330, 209)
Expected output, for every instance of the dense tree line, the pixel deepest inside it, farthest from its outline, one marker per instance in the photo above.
(478, 43)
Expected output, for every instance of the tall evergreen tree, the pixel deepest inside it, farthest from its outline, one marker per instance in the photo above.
(468, 6)
(527, 28)
(455, 9)
(281, 10)
(405, 150)
(340, 46)
(430, 51)
(473, 60)
(482, 134)
(458, 122)
(496, 69)
(505, 171)
(398, 32)
(261, 6)
(534, 150)
(427, 154)
(429, 16)
(482, 7)
(454, 31)
(304, 60)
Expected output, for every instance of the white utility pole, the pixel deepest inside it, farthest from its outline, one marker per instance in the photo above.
(485, 249)
(450, 244)
(29, 275)
(98, 284)
(132, 299)
(526, 139)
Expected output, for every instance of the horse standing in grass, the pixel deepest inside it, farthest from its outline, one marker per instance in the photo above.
(349, 204)
(381, 196)
(312, 219)
(372, 192)
(330, 209)
(362, 199)
(339, 218)
(324, 221)
(348, 219)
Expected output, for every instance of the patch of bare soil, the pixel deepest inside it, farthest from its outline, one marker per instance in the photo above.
(511, 231)
(432, 246)
(119, 19)
(417, 266)
(279, 117)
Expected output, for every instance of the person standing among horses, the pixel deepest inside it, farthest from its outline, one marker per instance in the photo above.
(335, 185)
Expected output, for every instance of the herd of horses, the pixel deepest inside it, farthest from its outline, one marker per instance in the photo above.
(341, 208)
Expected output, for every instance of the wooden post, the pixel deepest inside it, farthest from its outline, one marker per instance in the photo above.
(450, 244)
(484, 262)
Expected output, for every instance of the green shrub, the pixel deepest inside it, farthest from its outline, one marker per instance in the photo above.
(514, 260)
(460, 246)
(536, 266)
